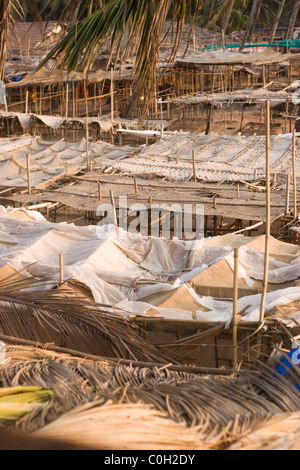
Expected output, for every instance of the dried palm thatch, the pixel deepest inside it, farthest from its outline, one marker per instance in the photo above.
(122, 427)
(75, 323)
(279, 433)
(71, 320)
(221, 409)
(187, 346)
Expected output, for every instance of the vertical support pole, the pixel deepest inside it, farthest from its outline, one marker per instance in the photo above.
(294, 175)
(67, 101)
(162, 130)
(213, 80)
(287, 196)
(27, 102)
(61, 268)
(235, 302)
(268, 216)
(194, 166)
(100, 191)
(28, 173)
(73, 99)
(87, 125)
(136, 186)
(114, 207)
(41, 100)
(242, 118)
(286, 116)
(112, 95)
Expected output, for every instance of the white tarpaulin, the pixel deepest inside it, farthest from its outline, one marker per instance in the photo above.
(49, 161)
(147, 276)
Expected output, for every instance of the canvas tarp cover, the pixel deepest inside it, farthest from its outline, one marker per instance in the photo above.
(49, 161)
(148, 276)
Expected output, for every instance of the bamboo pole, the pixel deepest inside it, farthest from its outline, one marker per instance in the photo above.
(61, 268)
(235, 301)
(87, 125)
(67, 100)
(194, 166)
(287, 197)
(114, 207)
(73, 100)
(268, 215)
(177, 368)
(294, 175)
(28, 173)
(112, 95)
(27, 102)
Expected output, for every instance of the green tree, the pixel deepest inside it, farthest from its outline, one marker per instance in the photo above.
(115, 19)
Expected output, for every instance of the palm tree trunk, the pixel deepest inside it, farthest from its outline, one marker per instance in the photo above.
(293, 20)
(4, 17)
(279, 13)
(227, 15)
(252, 22)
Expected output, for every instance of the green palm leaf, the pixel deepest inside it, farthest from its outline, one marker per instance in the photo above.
(16, 402)
(145, 17)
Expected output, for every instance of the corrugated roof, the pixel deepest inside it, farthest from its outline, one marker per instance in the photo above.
(26, 36)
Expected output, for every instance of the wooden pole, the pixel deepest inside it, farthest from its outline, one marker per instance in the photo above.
(136, 186)
(73, 99)
(87, 125)
(194, 166)
(61, 268)
(27, 102)
(41, 100)
(208, 123)
(268, 216)
(100, 191)
(294, 175)
(67, 101)
(242, 118)
(28, 173)
(112, 95)
(213, 80)
(114, 207)
(287, 197)
(235, 301)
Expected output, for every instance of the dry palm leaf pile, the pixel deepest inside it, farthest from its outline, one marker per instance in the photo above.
(113, 406)
(29, 312)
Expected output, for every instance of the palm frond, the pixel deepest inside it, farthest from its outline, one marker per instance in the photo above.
(57, 316)
(145, 17)
(16, 402)
(220, 410)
